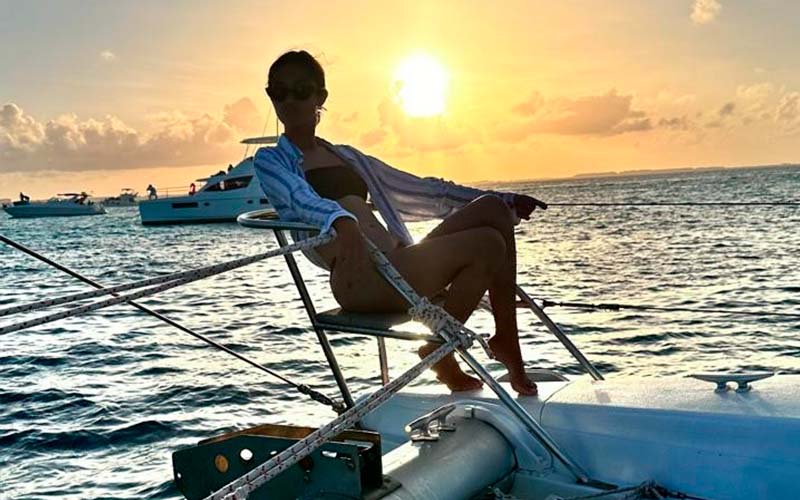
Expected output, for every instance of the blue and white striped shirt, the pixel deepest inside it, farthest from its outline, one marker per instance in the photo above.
(398, 196)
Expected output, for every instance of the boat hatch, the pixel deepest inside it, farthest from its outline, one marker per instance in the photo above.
(230, 184)
(348, 466)
(189, 204)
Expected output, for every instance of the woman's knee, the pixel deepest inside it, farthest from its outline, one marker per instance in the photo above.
(489, 248)
(496, 213)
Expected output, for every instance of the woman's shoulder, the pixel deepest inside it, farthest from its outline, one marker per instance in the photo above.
(269, 156)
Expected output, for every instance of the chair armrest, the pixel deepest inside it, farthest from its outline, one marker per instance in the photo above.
(268, 219)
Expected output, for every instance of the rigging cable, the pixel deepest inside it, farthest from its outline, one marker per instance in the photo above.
(337, 406)
(680, 204)
(613, 306)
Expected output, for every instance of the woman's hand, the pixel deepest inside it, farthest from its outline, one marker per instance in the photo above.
(352, 255)
(524, 205)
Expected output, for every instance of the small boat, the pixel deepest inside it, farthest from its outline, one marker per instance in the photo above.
(63, 204)
(126, 198)
(221, 197)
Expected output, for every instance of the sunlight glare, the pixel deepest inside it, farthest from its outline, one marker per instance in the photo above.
(422, 85)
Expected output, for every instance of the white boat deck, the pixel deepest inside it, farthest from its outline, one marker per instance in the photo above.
(677, 431)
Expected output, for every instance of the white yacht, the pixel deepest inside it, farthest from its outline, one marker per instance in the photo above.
(63, 204)
(126, 198)
(221, 197)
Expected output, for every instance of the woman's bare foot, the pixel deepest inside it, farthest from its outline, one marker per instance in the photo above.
(449, 373)
(512, 359)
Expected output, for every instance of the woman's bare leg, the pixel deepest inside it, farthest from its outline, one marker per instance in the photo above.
(466, 260)
(490, 211)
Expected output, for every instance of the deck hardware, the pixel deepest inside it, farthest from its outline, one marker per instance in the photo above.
(428, 426)
(742, 380)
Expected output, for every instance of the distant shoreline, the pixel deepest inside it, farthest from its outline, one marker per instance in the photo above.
(640, 172)
(677, 170)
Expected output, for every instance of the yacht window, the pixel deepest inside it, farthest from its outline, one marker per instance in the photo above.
(230, 184)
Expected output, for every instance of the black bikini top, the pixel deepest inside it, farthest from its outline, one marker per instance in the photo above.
(336, 182)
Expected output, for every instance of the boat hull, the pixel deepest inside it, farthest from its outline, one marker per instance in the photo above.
(198, 209)
(34, 210)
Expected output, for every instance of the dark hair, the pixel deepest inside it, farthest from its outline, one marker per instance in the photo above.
(302, 59)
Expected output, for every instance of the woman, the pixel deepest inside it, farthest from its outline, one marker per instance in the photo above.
(473, 250)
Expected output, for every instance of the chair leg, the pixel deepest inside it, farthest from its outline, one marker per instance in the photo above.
(384, 361)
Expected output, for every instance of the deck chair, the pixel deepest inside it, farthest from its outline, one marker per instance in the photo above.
(381, 326)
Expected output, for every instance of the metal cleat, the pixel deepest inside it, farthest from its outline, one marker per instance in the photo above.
(742, 379)
(428, 426)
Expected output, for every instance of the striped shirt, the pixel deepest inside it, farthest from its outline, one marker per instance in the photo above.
(398, 196)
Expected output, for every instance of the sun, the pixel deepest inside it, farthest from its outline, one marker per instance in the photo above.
(422, 85)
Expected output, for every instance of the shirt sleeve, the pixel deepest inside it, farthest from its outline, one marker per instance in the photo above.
(423, 198)
(291, 195)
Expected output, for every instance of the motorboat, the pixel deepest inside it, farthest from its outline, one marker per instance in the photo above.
(63, 204)
(126, 198)
(221, 197)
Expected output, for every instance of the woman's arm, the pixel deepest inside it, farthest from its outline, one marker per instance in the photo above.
(289, 192)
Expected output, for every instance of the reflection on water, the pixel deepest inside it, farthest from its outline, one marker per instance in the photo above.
(93, 406)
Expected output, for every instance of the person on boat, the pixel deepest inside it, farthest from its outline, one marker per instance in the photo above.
(471, 251)
(23, 198)
(152, 194)
(192, 189)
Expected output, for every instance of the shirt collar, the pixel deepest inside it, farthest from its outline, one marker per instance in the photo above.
(287, 147)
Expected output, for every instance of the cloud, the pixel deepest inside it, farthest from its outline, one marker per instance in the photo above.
(373, 137)
(531, 106)
(754, 97)
(705, 11)
(727, 109)
(108, 56)
(754, 101)
(435, 133)
(788, 112)
(676, 123)
(67, 143)
(600, 115)
(243, 115)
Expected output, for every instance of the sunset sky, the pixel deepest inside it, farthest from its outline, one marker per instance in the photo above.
(99, 95)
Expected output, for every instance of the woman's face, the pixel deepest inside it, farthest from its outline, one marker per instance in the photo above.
(295, 96)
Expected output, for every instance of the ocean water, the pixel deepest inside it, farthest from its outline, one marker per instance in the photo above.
(93, 406)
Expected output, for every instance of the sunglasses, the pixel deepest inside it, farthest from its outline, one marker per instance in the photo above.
(300, 92)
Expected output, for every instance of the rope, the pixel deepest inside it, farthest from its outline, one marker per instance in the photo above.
(423, 310)
(187, 277)
(616, 307)
(198, 273)
(455, 334)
